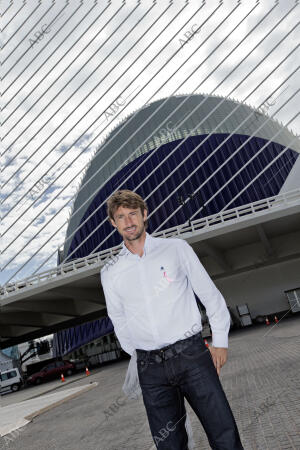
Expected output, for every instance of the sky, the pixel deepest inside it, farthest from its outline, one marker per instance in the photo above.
(65, 64)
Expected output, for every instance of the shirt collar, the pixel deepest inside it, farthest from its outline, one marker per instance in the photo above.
(147, 245)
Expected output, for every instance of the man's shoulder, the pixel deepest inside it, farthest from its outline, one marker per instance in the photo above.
(168, 242)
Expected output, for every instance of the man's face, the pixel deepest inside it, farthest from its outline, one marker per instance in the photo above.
(129, 222)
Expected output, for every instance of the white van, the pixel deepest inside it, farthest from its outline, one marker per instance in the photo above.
(11, 379)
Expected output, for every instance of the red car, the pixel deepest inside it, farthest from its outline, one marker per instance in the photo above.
(52, 371)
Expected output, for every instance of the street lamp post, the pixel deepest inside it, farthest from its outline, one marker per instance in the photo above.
(192, 196)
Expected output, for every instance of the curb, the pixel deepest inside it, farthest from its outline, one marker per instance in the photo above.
(57, 387)
(59, 402)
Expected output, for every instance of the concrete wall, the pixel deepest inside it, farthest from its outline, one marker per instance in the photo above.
(262, 288)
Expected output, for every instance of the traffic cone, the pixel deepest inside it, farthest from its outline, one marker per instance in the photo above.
(62, 377)
(276, 320)
(87, 372)
(267, 321)
(206, 343)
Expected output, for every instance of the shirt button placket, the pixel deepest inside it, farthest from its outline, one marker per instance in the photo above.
(149, 310)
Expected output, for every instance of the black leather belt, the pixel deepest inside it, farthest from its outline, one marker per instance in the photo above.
(168, 351)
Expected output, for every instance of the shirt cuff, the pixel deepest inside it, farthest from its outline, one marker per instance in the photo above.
(220, 340)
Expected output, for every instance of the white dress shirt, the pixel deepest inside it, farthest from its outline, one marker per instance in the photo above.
(150, 299)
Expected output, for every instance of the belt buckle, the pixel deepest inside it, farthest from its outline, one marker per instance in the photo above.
(168, 353)
(158, 357)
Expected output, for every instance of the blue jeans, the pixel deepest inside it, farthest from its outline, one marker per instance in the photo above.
(185, 369)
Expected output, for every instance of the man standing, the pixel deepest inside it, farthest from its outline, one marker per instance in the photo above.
(149, 291)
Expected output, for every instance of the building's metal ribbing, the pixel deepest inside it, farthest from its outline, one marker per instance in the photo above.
(129, 152)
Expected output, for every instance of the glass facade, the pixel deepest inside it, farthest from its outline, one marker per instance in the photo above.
(224, 167)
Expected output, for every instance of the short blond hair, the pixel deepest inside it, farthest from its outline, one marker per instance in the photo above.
(127, 199)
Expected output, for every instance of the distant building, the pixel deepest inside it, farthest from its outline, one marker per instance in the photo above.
(9, 358)
(209, 155)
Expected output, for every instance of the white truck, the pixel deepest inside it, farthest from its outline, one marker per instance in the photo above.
(10, 380)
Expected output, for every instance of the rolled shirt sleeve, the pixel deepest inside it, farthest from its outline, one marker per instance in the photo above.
(215, 305)
(115, 311)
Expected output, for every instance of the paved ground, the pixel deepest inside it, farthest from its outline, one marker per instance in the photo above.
(15, 416)
(261, 381)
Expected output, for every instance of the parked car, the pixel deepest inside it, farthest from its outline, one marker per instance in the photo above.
(51, 371)
(11, 379)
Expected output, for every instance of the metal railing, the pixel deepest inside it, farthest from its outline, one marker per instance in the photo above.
(234, 214)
